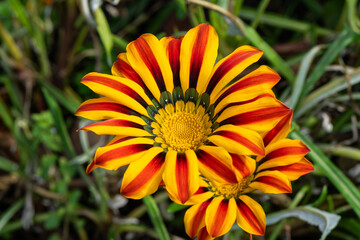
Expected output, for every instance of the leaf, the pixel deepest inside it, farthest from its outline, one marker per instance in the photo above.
(104, 31)
(331, 171)
(10, 212)
(323, 220)
(174, 207)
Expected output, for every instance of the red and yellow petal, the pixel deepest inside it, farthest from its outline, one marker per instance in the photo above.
(295, 170)
(244, 166)
(103, 108)
(202, 193)
(120, 153)
(127, 125)
(271, 182)
(194, 218)
(143, 176)
(203, 234)
(215, 163)
(231, 66)
(257, 82)
(283, 152)
(280, 131)
(172, 48)
(121, 90)
(122, 68)
(250, 215)
(260, 115)
(181, 175)
(197, 55)
(220, 216)
(238, 140)
(148, 58)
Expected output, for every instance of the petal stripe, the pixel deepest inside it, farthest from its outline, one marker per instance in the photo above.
(274, 182)
(251, 218)
(107, 106)
(150, 61)
(280, 152)
(182, 175)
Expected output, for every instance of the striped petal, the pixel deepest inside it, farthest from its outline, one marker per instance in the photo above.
(197, 55)
(271, 182)
(202, 193)
(172, 47)
(250, 215)
(215, 164)
(148, 58)
(122, 68)
(231, 66)
(280, 131)
(194, 218)
(181, 175)
(204, 235)
(120, 153)
(281, 153)
(220, 216)
(244, 166)
(253, 84)
(238, 140)
(259, 115)
(121, 90)
(127, 125)
(103, 108)
(295, 170)
(143, 176)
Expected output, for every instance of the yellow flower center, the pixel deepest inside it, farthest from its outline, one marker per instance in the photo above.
(231, 190)
(182, 127)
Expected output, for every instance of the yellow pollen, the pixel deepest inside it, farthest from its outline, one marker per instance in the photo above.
(183, 127)
(232, 190)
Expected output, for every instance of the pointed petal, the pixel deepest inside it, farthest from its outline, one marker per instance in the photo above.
(121, 90)
(281, 153)
(295, 170)
(172, 47)
(255, 83)
(122, 68)
(250, 215)
(194, 218)
(116, 155)
(260, 115)
(238, 140)
(231, 66)
(203, 234)
(215, 164)
(220, 216)
(202, 193)
(280, 131)
(244, 166)
(143, 176)
(181, 175)
(129, 125)
(147, 56)
(271, 182)
(103, 108)
(197, 55)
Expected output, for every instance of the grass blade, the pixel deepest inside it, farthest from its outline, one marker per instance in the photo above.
(155, 217)
(10, 212)
(335, 175)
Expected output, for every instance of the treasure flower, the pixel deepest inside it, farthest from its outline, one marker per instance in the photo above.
(176, 114)
(216, 206)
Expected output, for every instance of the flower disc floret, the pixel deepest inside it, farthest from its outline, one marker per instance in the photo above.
(231, 190)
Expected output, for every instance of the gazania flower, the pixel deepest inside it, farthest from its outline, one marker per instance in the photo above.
(217, 206)
(176, 114)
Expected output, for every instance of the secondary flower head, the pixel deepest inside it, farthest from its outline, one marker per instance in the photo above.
(176, 114)
(217, 205)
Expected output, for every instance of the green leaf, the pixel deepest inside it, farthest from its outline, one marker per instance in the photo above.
(174, 207)
(104, 31)
(300, 79)
(324, 220)
(156, 218)
(8, 165)
(335, 175)
(10, 212)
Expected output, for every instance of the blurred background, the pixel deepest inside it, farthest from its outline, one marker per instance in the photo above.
(47, 46)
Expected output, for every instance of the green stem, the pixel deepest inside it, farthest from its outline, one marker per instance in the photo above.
(156, 218)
